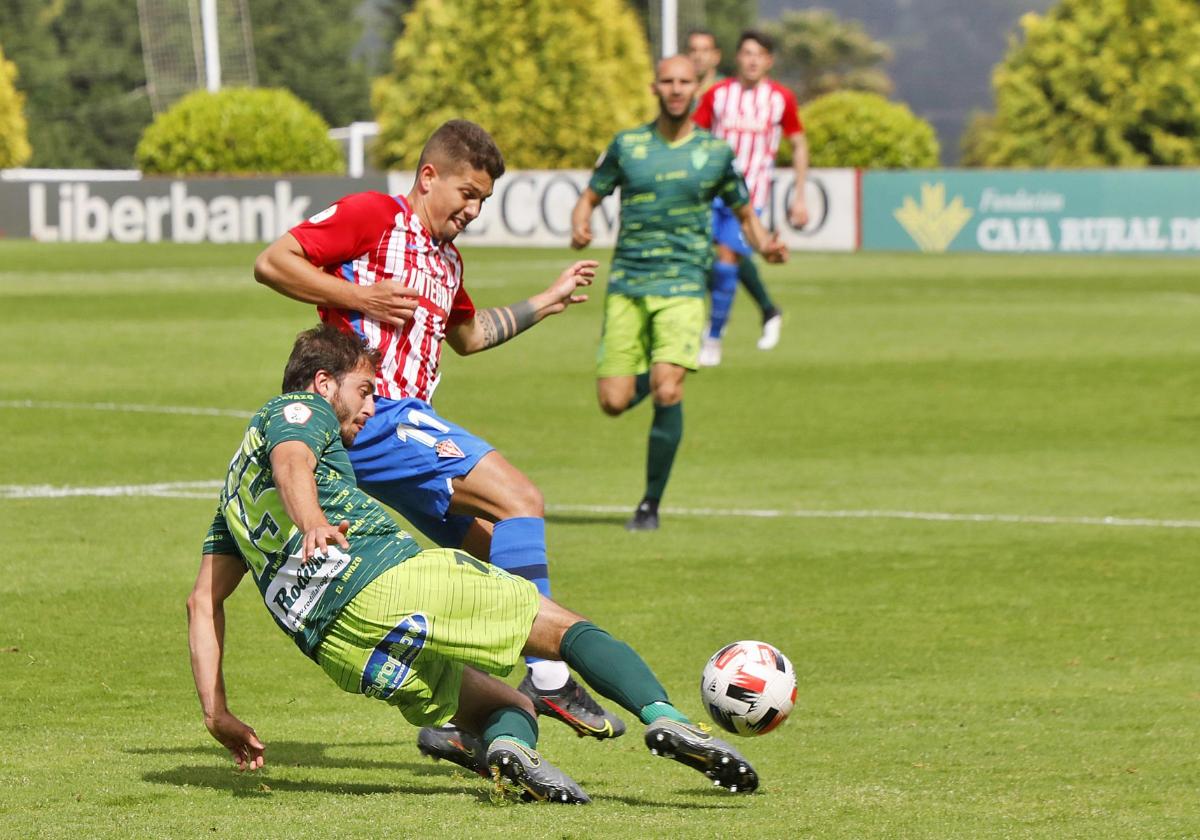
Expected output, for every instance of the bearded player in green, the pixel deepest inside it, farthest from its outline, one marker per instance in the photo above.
(425, 631)
(668, 172)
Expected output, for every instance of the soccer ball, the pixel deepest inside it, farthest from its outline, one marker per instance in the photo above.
(749, 688)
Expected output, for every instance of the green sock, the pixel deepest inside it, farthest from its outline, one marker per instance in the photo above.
(748, 277)
(665, 434)
(612, 668)
(511, 723)
(654, 711)
(641, 389)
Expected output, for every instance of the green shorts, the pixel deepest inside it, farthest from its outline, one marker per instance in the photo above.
(407, 636)
(642, 331)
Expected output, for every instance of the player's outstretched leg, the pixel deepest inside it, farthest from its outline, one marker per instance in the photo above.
(518, 545)
(691, 744)
(613, 669)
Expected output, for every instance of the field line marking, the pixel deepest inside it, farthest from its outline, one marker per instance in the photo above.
(923, 516)
(162, 490)
(197, 411)
(208, 489)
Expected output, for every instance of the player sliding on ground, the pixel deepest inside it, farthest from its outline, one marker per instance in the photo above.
(420, 630)
(385, 267)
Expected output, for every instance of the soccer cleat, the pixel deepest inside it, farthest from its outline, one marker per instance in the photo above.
(691, 744)
(770, 331)
(645, 518)
(538, 779)
(453, 744)
(710, 352)
(573, 706)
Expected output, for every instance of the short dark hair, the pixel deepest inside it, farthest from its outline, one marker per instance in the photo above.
(700, 30)
(326, 348)
(462, 141)
(759, 37)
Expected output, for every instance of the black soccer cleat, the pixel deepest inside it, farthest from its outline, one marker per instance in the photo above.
(455, 745)
(575, 707)
(645, 518)
(692, 745)
(537, 779)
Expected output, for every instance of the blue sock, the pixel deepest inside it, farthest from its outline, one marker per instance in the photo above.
(724, 287)
(519, 547)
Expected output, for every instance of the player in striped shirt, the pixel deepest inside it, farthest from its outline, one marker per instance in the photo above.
(753, 113)
(385, 267)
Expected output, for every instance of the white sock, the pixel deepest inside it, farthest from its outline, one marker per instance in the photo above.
(548, 674)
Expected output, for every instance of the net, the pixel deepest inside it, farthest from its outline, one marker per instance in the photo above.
(173, 47)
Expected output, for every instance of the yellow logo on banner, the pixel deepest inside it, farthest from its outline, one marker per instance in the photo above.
(934, 223)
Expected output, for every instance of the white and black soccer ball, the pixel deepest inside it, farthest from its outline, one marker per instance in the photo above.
(748, 687)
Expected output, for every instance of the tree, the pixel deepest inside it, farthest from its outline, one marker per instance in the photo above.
(852, 128)
(14, 140)
(1099, 83)
(81, 70)
(305, 46)
(817, 53)
(552, 80)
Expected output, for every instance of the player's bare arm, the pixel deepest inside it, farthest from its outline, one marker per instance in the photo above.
(768, 244)
(219, 576)
(492, 327)
(292, 464)
(798, 212)
(581, 219)
(284, 267)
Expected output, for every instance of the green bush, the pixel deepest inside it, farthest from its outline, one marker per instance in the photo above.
(849, 128)
(14, 131)
(1100, 83)
(551, 80)
(239, 131)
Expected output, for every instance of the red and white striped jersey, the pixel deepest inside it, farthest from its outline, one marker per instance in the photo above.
(369, 238)
(752, 120)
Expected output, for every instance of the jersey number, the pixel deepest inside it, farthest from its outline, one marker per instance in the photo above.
(412, 429)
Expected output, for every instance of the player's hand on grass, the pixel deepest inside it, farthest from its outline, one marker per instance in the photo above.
(775, 251)
(241, 741)
(581, 236)
(391, 302)
(561, 293)
(317, 540)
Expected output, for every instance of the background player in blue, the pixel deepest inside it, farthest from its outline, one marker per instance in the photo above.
(386, 268)
(668, 172)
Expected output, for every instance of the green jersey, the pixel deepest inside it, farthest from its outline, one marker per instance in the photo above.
(664, 246)
(304, 594)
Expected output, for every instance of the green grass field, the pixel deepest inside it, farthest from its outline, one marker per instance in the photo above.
(959, 677)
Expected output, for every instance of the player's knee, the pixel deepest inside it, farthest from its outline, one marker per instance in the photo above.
(612, 405)
(523, 498)
(668, 393)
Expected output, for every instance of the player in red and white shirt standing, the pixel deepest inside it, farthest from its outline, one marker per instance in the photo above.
(753, 113)
(385, 267)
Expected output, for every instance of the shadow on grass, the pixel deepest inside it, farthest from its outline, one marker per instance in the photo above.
(588, 518)
(261, 784)
(304, 754)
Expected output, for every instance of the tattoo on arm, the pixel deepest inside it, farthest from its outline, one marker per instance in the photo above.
(501, 323)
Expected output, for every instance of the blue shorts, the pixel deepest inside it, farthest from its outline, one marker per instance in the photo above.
(406, 457)
(727, 230)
